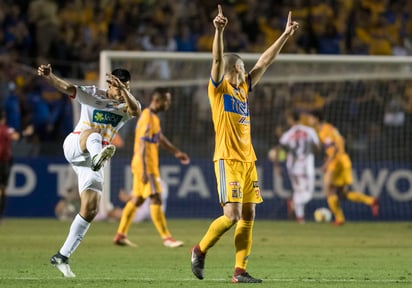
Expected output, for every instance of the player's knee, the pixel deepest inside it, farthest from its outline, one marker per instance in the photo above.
(155, 199)
(138, 201)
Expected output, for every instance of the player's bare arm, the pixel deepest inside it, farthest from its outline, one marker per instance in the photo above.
(166, 144)
(267, 57)
(60, 84)
(220, 22)
(145, 176)
(133, 106)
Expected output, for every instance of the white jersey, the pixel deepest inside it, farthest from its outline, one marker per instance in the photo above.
(299, 141)
(98, 111)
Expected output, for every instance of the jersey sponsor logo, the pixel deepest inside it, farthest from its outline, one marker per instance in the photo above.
(105, 117)
(298, 134)
(233, 105)
(244, 120)
(236, 193)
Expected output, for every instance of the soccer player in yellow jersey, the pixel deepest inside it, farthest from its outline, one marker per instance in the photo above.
(337, 169)
(145, 169)
(234, 157)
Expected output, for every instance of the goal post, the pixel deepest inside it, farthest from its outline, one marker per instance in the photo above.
(369, 99)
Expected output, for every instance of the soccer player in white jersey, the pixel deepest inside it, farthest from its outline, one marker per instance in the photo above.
(87, 148)
(300, 142)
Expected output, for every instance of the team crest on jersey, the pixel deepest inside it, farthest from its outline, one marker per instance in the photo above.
(105, 117)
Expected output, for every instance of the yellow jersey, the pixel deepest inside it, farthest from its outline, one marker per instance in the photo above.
(148, 130)
(332, 140)
(231, 120)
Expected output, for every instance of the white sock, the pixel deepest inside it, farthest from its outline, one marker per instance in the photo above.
(77, 231)
(94, 144)
(299, 210)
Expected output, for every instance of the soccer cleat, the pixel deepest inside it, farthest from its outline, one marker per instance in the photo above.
(375, 207)
(245, 278)
(62, 263)
(338, 223)
(198, 262)
(100, 159)
(121, 240)
(172, 243)
(300, 220)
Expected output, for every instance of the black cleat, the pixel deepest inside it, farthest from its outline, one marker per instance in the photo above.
(198, 262)
(245, 278)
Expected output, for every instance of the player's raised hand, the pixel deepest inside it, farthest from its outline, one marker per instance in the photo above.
(291, 26)
(44, 70)
(220, 20)
(114, 81)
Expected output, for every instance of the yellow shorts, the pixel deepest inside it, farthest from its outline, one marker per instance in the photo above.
(145, 190)
(341, 168)
(237, 182)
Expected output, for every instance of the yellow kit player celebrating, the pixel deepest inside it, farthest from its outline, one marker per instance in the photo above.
(234, 158)
(337, 169)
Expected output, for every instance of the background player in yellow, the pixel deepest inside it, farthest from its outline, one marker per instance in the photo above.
(145, 169)
(337, 169)
(234, 157)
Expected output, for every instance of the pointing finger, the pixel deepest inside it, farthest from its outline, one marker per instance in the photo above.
(290, 16)
(219, 9)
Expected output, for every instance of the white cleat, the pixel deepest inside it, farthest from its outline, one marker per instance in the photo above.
(65, 269)
(62, 263)
(100, 159)
(172, 243)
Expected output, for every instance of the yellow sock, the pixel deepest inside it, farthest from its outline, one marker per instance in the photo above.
(359, 197)
(243, 242)
(333, 202)
(218, 227)
(159, 220)
(127, 218)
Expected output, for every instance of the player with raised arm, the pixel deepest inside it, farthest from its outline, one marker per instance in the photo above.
(146, 172)
(87, 148)
(234, 157)
(300, 142)
(337, 168)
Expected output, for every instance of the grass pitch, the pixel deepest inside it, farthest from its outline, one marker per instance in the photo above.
(284, 254)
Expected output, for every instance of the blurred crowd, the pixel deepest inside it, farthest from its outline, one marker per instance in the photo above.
(69, 34)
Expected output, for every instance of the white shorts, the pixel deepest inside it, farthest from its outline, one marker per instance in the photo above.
(81, 163)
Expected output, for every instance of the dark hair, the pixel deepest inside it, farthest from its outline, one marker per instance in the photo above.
(122, 74)
(160, 92)
(318, 114)
(295, 115)
(2, 114)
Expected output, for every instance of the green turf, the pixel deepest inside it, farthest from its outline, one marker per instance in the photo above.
(285, 254)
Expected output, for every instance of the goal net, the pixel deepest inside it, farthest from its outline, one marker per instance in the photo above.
(369, 99)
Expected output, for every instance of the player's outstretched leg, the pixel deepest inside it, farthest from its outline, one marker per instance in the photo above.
(62, 263)
(100, 159)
